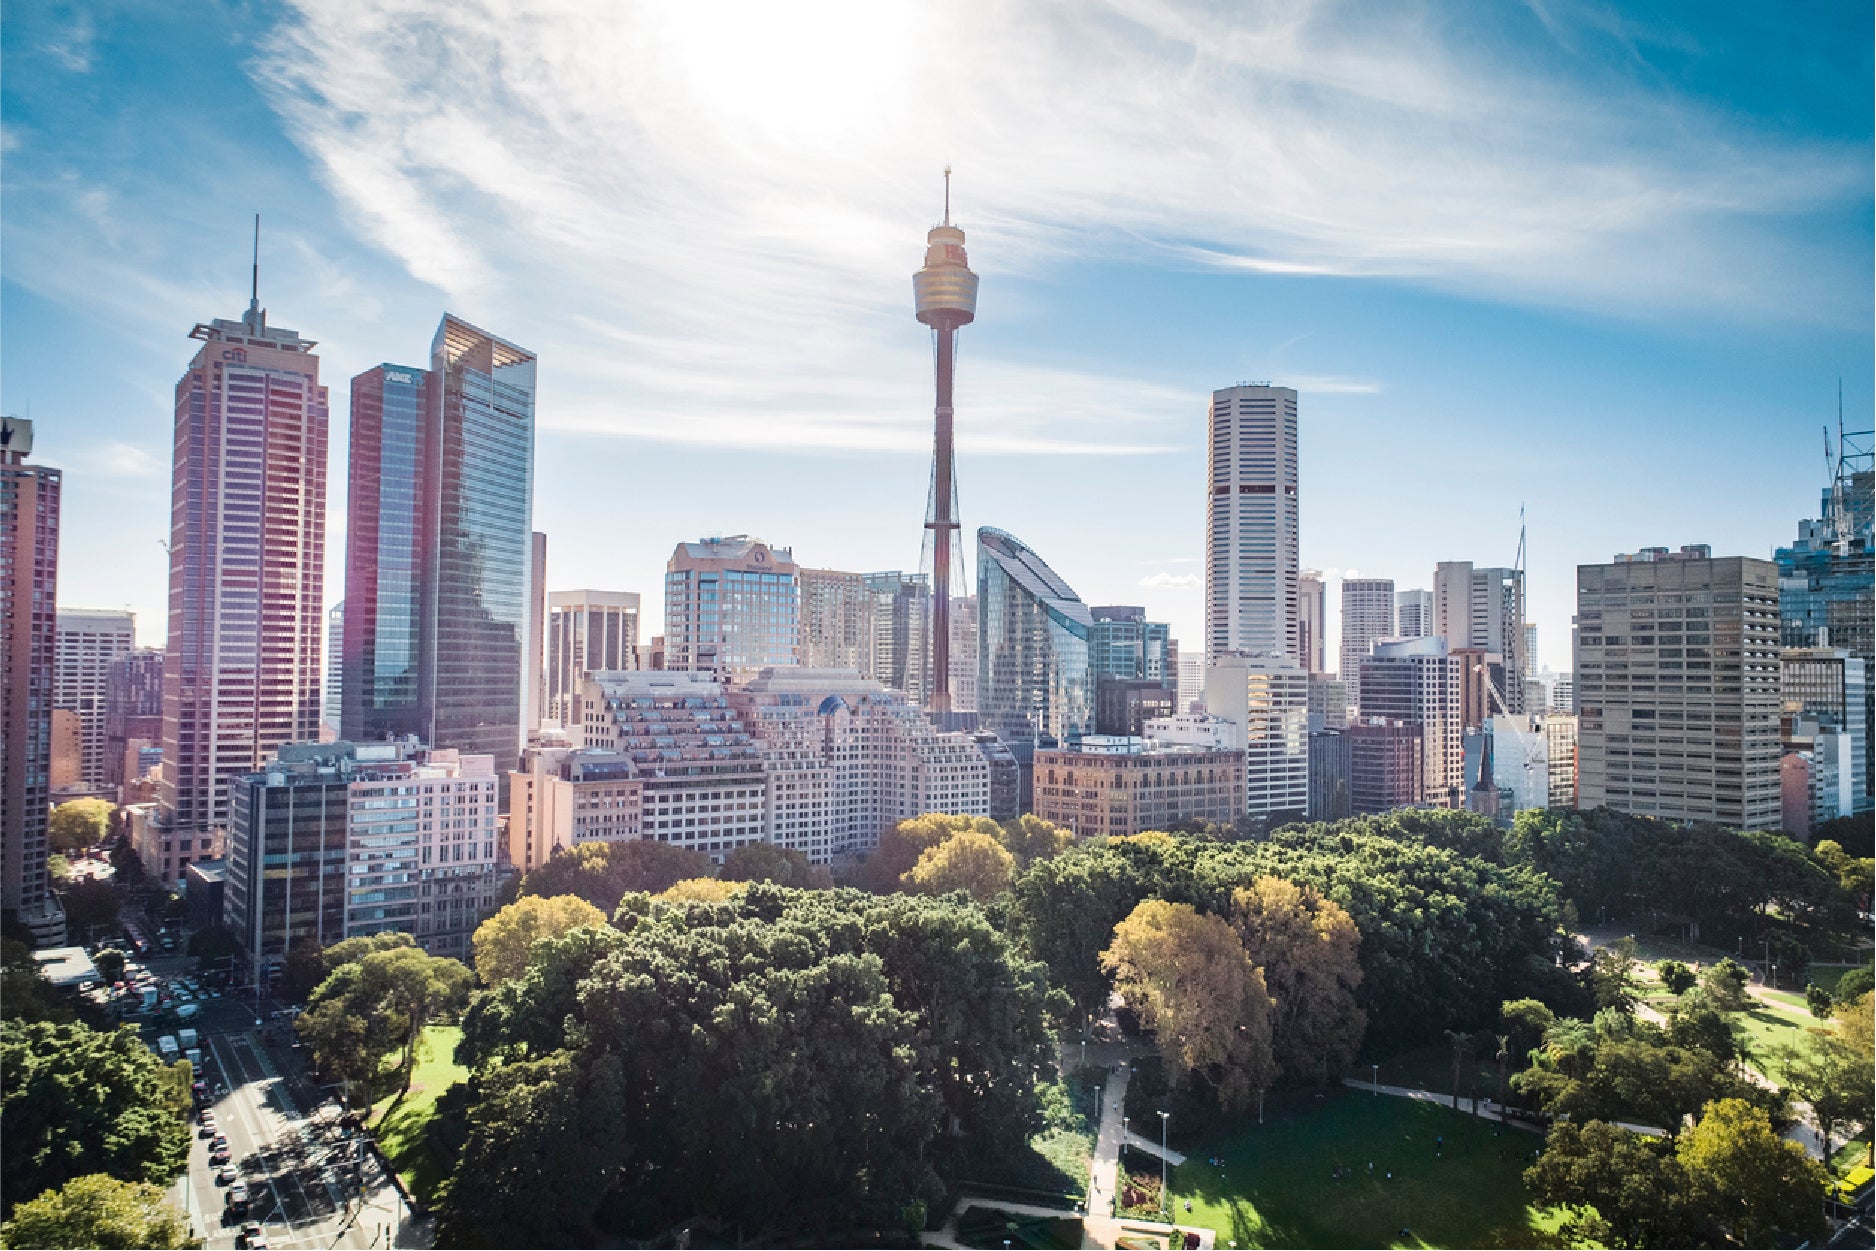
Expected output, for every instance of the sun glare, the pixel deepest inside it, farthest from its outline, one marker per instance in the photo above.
(818, 71)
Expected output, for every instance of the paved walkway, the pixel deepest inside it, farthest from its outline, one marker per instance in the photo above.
(1487, 1110)
(1147, 1145)
(1100, 1229)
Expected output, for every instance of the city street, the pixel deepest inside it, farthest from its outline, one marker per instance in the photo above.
(287, 1146)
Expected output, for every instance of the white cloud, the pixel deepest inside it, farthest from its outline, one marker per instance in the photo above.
(1168, 581)
(72, 47)
(705, 217)
(114, 458)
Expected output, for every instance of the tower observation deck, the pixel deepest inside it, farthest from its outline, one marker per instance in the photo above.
(945, 291)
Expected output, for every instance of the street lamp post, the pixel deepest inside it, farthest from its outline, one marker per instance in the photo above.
(1377, 1080)
(1164, 1117)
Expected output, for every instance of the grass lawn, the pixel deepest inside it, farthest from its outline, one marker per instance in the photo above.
(1851, 1154)
(1276, 1189)
(993, 1227)
(1769, 1029)
(400, 1125)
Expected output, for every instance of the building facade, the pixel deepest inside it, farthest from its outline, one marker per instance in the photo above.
(133, 712)
(1312, 620)
(89, 640)
(1267, 699)
(1483, 609)
(29, 583)
(1829, 685)
(732, 605)
(247, 554)
(1111, 787)
(1560, 751)
(902, 623)
(1677, 687)
(1387, 766)
(1417, 682)
(1329, 795)
(587, 632)
(1413, 613)
(1035, 676)
(1251, 532)
(332, 707)
(837, 612)
(1367, 617)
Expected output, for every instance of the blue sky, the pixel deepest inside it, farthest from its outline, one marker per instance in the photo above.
(1604, 262)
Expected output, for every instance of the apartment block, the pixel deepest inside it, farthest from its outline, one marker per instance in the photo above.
(1112, 786)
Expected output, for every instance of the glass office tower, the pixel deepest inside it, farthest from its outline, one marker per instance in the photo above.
(1035, 674)
(479, 462)
(383, 555)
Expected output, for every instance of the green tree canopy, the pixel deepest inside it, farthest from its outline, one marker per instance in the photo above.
(80, 823)
(602, 873)
(1620, 1189)
(1029, 838)
(78, 1101)
(971, 862)
(98, 1210)
(1676, 976)
(377, 1006)
(900, 847)
(766, 862)
(1308, 949)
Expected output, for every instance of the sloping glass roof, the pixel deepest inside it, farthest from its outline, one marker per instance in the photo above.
(1033, 574)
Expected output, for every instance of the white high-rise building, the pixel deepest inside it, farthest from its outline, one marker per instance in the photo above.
(1367, 616)
(1413, 613)
(1191, 683)
(587, 632)
(89, 639)
(1267, 699)
(1251, 523)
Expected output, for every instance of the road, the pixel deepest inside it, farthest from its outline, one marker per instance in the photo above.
(287, 1145)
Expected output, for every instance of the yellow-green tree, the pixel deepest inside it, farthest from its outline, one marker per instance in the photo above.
(502, 942)
(901, 846)
(79, 823)
(1748, 1178)
(971, 862)
(1188, 977)
(702, 890)
(98, 1210)
(1307, 947)
(1029, 838)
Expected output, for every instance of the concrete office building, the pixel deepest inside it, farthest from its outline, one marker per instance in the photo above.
(1563, 693)
(1829, 685)
(1387, 766)
(1417, 681)
(1312, 620)
(837, 610)
(964, 653)
(1191, 683)
(587, 632)
(1814, 779)
(338, 840)
(133, 712)
(68, 756)
(1328, 702)
(732, 605)
(1367, 616)
(89, 639)
(1251, 529)
(1413, 614)
(1267, 698)
(1114, 786)
(1483, 609)
(1677, 687)
(247, 555)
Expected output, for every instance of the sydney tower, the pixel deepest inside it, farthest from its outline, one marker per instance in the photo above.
(946, 293)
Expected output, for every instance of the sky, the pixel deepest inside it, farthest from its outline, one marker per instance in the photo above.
(1604, 264)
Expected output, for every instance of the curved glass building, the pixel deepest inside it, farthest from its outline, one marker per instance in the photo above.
(1034, 672)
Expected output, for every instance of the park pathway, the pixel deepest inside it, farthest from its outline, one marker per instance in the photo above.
(1100, 1228)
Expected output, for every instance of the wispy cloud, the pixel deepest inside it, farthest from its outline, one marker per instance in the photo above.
(705, 207)
(1168, 581)
(116, 459)
(72, 47)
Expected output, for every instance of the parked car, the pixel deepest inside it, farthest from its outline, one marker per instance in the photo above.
(226, 1175)
(219, 1155)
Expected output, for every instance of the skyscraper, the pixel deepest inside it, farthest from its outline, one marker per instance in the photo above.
(332, 708)
(133, 711)
(1034, 674)
(1484, 608)
(837, 612)
(1251, 523)
(247, 556)
(439, 548)
(1677, 687)
(386, 539)
(1312, 620)
(1267, 699)
(1825, 576)
(587, 632)
(902, 622)
(1413, 613)
(535, 679)
(89, 640)
(29, 583)
(731, 605)
(480, 468)
(1417, 681)
(945, 291)
(1367, 616)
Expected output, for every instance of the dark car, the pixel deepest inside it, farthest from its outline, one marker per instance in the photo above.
(250, 1235)
(220, 1155)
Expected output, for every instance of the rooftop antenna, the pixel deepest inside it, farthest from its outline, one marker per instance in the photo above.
(254, 289)
(948, 222)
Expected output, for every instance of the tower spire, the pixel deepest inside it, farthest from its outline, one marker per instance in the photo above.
(947, 195)
(254, 286)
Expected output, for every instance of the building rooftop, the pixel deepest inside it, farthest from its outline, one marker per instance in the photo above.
(65, 966)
